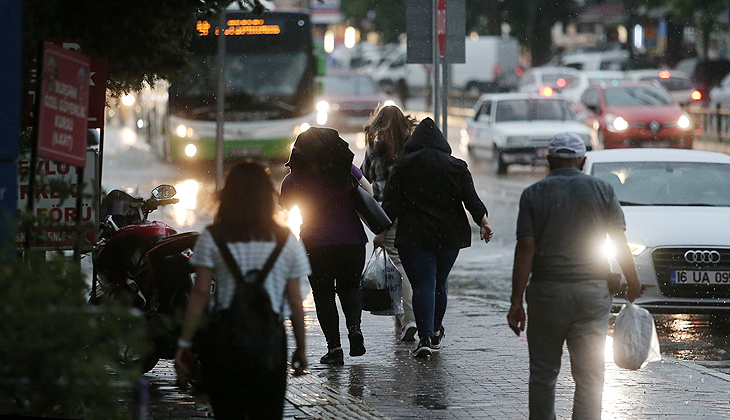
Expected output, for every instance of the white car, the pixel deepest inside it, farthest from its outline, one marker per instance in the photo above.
(720, 95)
(677, 208)
(575, 88)
(515, 128)
(535, 79)
(675, 82)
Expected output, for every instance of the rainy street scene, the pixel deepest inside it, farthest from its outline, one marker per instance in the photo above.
(350, 209)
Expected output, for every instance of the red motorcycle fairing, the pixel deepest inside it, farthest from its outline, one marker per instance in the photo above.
(144, 231)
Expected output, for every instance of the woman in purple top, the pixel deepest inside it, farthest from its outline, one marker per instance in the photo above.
(319, 183)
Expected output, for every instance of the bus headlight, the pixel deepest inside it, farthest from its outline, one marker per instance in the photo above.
(191, 150)
(181, 130)
(323, 106)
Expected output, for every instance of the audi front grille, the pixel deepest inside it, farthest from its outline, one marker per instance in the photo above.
(707, 259)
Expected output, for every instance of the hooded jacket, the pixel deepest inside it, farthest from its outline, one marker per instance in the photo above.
(425, 193)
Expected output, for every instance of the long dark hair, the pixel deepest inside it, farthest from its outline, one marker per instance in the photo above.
(390, 128)
(246, 204)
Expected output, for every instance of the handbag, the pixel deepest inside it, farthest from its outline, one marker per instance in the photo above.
(369, 210)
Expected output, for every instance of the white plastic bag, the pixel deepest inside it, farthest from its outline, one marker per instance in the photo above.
(382, 285)
(635, 341)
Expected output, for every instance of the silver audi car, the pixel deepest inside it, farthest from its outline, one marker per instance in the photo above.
(677, 208)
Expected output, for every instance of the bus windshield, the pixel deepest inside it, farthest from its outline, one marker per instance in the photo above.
(268, 76)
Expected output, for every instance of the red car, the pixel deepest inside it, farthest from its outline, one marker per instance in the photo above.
(636, 114)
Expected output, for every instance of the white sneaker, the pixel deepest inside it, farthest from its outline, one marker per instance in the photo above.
(408, 333)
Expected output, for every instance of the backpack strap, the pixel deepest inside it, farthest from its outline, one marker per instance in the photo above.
(231, 262)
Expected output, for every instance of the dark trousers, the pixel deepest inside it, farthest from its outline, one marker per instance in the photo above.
(336, 269)
(239, 389)
(428, 271)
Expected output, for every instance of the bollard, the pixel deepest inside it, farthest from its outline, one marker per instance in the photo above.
(718, 123)
(141, 397)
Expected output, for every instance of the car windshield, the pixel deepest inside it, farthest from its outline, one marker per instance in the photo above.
(349, 85)
(532, 109)
(673, 83)
(667, 183)
(637, 96)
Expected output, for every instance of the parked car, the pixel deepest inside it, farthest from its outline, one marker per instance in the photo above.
(515, 128)
(677, 207)
(675, 82)
(536, 79)
(592, 61)
(575, 88)
(635, 114)
(704, 74)
(346, 99)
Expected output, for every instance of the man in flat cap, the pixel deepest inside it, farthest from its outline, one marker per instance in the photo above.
(562, 224)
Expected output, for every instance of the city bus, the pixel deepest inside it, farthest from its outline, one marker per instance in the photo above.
(270, 71)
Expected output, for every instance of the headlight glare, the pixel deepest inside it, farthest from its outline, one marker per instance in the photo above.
(683, 122)
(181, 130)
(323, 106)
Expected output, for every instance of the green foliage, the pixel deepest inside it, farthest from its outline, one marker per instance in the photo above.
(57, 352)
(139, 40)
(389, 16)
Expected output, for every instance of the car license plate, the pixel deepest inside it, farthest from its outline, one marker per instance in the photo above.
(541, 152)
(700, 277)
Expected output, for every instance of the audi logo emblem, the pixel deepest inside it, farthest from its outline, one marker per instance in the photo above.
(697, 257)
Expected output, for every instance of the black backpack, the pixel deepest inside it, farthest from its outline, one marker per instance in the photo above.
(249, 328)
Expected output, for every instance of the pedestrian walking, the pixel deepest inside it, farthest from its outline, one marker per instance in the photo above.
(562, 225)
(238, 387)
(320, 184)
(426, 194)
(386, 134)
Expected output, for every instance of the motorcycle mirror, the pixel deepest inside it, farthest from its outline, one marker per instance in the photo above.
(162, 192)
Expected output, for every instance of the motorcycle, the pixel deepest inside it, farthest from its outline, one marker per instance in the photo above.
(145, 264)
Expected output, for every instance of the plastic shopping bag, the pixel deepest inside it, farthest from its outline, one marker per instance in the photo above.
(381, 285)
(635, 341)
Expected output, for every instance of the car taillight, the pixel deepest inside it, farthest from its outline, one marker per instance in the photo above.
(495, 70)
(546, 91)
(520, 71)
(696, 95)
(665, 74)
(562, 82)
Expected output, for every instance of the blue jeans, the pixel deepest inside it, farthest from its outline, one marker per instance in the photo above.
(576, 314)
(428, 271)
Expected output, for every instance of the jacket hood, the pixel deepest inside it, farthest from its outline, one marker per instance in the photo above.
(427, 135)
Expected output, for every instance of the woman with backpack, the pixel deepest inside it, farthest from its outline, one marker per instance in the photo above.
(321, 185)
(386, 134)
(245, 244)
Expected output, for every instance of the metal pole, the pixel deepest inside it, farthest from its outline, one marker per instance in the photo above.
(445, 98)
(436, 73)
(220, 103)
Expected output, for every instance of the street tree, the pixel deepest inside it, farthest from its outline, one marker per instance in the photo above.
(138, 40)
(385, 17)
(532, 21)
(705, 14)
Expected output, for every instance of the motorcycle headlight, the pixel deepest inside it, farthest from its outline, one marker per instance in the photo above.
(684, 122)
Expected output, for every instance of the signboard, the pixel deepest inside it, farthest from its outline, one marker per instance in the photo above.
(56, 218)
(441, 26)
(64, 102)
(98, 75)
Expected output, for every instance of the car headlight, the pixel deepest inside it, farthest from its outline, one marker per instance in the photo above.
(323, 106)
(191, 150)
(615, 123)
(321, 118)
(609, 249)
(684, 122)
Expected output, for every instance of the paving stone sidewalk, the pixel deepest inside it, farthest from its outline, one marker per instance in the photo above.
(481, 372)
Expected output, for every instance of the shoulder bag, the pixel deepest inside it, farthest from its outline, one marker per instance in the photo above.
(369, 210)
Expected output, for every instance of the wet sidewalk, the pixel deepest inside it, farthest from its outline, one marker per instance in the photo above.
(481, 372)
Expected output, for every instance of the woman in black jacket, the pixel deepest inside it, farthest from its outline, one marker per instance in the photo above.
(427, 193)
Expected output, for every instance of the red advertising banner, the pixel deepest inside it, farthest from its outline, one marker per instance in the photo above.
(64, 105)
